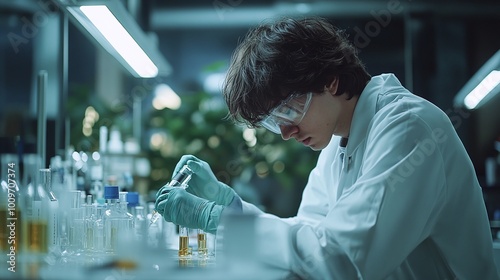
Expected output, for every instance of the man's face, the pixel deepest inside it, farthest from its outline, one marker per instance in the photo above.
(328, 114)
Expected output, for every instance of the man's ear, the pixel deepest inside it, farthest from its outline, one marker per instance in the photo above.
(333, 87)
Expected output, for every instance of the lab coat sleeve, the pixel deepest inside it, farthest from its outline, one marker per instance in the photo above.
(239, 206)
(315, 201)
(379, 219)
(249, 208)
(297, 248)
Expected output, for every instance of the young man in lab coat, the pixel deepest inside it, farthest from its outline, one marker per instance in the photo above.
(394, 194)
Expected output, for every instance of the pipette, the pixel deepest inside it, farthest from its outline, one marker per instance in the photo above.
(180, 180)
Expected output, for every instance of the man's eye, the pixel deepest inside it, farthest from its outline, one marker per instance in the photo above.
(290, 113)
(286, 111)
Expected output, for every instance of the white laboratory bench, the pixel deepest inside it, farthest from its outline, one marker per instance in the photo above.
(163, 264)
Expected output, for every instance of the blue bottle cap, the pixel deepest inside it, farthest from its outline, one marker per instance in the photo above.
(133, 199)
(111, 192)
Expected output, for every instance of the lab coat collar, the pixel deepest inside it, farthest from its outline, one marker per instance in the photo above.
(366, 108)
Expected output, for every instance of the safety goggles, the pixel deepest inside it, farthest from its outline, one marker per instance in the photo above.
(289, 112)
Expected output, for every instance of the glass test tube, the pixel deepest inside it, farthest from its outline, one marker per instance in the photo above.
(184, 250)
(38, 222)
(88, 218)
(180, 180)
(202, 243)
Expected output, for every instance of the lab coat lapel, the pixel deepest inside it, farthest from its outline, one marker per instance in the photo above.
(363, 114)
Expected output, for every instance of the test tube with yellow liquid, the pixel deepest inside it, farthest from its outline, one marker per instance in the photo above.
(202, 244)
(37, 222)
(184, 249)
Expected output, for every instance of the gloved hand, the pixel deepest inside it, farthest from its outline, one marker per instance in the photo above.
(203, 182)
(184, 209)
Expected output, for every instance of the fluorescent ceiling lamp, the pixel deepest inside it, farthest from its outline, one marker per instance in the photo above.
(112, 30)
(482, 87)
(111, 26)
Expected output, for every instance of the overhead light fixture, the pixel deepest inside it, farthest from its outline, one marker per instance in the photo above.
(482, 86)
(116, 35)
(110, 25)
(485, 87)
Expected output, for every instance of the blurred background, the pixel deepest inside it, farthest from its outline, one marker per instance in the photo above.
(434, 47)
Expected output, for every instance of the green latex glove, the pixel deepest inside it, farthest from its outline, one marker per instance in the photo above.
(203, 182)
(184, 209)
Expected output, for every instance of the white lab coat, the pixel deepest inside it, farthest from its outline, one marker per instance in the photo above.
(404, 203)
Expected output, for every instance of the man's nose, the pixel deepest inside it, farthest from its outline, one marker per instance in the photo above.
(287, 131)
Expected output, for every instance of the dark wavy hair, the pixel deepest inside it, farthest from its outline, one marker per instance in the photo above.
(286, 57)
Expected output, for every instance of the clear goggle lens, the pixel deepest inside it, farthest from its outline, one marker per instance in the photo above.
(289, 112)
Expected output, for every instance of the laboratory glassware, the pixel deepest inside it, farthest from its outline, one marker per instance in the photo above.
(180, 179)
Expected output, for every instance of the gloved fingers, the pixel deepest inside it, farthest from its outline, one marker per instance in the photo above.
(168, 204)
(204, 183)
(160, 203)
(195, 164)
(202, 170)
(164, 190)
(160, 191)
(201, 177)
(190, 211)
(182, 208)
(184, 159)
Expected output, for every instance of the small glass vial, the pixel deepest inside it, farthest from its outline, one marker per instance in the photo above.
(114, 220)
(180, 180)
(38, 220)
(53, 211)
(184, 250)
(88, 223)
(98, 226)
(202, 244)
(74, 223)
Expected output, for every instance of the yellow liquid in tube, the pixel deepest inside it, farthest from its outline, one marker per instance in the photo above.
(37, 237)
(184, 246)
(202, 244)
